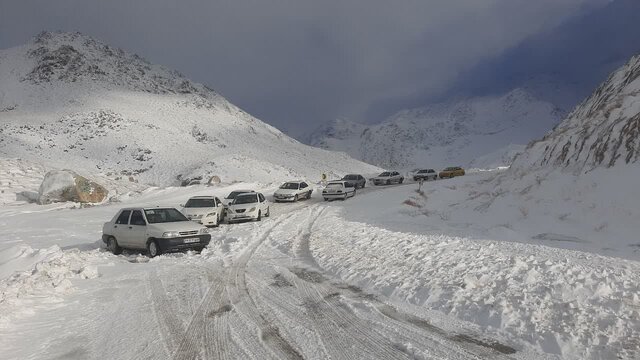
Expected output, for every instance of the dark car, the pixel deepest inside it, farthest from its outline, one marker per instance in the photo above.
(425, 174)
(355, 180)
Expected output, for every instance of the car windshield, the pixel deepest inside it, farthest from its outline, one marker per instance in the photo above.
(423, 171)
(334, 186)
(233, 194)
(385, 174)
(290, 186)
(155, 216)
(245, 199)
(449, 169)
(351, 177)
(200, 203)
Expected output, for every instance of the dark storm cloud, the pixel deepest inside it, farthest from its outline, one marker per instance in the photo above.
(296, 63)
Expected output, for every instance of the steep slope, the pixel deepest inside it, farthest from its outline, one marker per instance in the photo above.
(69, 101)
(444, 134)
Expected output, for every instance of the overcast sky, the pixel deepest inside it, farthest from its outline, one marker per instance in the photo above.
(297, 63)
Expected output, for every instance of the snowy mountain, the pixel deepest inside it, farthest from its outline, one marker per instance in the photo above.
(69, 101)
(601, 132)
(443, 134)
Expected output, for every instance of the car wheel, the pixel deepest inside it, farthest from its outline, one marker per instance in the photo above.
(295, 198)
(259, 215)
(354, 193)
(326, 199)
(309, 195)
(388, 182)
(113, 246)
(363, 185)
(401, 180)
(268, 213)
(153, 249)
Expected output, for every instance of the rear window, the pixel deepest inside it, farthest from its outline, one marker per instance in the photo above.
(124, 217)
(334, 186)
(155, 216)
(385, 174)
(200, 203)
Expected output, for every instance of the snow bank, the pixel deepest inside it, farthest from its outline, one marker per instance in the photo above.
(28, 277)
(563, 302)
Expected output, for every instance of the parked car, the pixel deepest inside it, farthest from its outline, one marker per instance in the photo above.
(338, 190)
(388, 178)
(158, 230)
(450, 172)
(248, 206)
(293, 191)
(206, 210)
(425, 174)
(232, 195)
(357, 181)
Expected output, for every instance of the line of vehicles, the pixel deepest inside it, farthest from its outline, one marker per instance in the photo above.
(158, 230)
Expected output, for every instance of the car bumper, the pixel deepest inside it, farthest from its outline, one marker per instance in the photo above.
(179, 244)
(206, 221)
(284, 199)
(335, 196)
(242, 216)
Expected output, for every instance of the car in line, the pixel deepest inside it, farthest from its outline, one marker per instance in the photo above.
(338, 190)
(206, 210)
(293, 191)
(232, 195)
(388, 178)
(356, 180)
(248, 206)
(425, 174)
(156, 230)
(451, 172)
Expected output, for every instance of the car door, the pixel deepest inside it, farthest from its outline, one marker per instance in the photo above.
(304, 188)
(262, 203)
(136, 231)
(120, 226)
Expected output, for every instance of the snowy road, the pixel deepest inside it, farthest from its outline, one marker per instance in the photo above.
(308, 282)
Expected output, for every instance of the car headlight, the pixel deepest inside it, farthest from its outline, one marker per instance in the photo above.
(170, 234)
(204, 230)
(252, 209)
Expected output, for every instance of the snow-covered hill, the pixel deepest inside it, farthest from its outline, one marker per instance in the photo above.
(69, 101)
(444, 134)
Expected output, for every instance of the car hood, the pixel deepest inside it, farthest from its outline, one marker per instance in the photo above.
(175, 226)
(286, 192)
(198, 211)
(382, 177)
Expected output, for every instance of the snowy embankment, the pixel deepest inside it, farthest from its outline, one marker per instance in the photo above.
(575, 304)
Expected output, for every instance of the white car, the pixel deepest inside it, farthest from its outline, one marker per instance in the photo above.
(338, 190)
(157, 230)
(293, 191)
(388, 178)
(206, 210)
(248, 206)
(232, 195)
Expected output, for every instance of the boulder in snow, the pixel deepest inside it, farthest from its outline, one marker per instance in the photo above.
(214, 180)
(66, 185)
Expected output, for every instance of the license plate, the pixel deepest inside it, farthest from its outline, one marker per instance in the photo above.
(191, 240)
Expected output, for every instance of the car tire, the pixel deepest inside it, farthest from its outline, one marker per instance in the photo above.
(296, 198)
(326, 199)
(363, 185)
(388, 182)
(268, 213)
(153, 249)
(401, 180)
(309, 195)
(259, 216)
(112, 245)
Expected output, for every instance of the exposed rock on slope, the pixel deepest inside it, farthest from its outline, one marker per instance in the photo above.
(601, 132)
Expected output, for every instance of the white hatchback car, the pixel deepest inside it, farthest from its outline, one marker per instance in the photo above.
(248, 206)
(338, 190)
(206, 210)
(293, 191)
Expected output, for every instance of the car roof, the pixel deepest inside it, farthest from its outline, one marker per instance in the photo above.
(336, 182)
(248, 193)
(148, 208)
(243, 191)
(294, 181)
(202, 197)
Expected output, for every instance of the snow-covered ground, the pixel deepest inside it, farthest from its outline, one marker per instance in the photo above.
(371, 277)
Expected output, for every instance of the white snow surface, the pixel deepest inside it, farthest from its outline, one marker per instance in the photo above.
(69, 101)
(446, 134)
